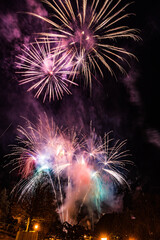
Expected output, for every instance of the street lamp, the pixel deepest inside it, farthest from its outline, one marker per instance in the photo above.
(36, 227)
(104, 237)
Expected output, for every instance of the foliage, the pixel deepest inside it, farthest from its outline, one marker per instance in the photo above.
(4, 205)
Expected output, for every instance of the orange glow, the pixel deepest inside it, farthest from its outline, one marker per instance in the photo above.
(36, 227)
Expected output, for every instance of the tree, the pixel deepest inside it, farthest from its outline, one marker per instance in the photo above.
(66, 231)
(4, 205)
(38, 206)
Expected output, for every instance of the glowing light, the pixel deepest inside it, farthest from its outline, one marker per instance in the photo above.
(60, 151)
(83, 161)
(36, 227)
(104, 237)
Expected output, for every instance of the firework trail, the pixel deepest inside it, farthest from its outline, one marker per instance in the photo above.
(46, 71)
(88, 30)
(78, 168)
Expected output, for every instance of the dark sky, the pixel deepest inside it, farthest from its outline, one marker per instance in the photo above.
(128, 106)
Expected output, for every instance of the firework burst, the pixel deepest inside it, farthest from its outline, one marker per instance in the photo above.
(45, 71)
(89, 31)
(78, 168)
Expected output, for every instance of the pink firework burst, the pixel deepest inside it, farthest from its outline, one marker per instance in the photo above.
(47, 72)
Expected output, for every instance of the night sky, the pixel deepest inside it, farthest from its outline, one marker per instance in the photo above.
(129, 105)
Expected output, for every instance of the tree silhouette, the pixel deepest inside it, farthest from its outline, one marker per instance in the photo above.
(39, 206)
(4, 205)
